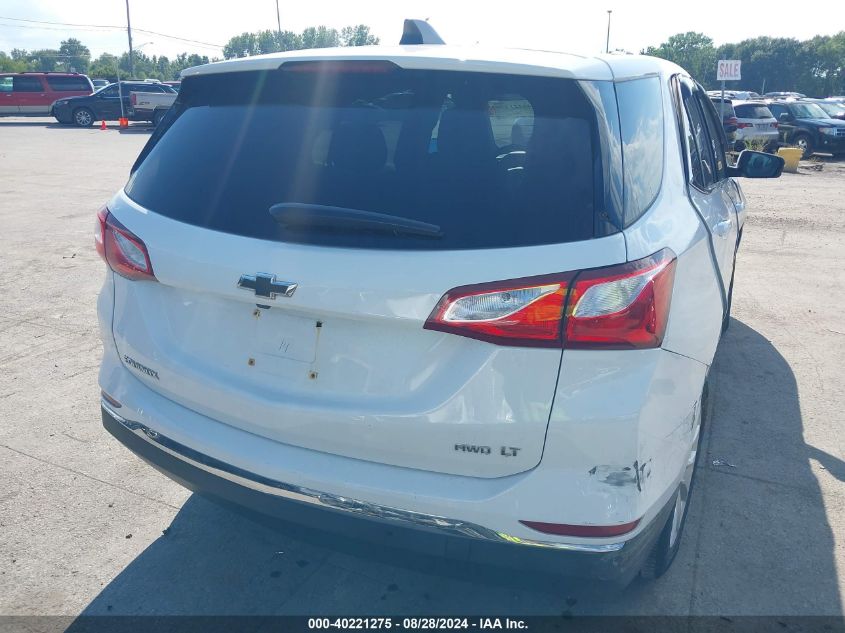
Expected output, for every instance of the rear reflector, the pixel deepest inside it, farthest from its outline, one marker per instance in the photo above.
(618, 307)
(113, 402)
(594, 531)
(124, 252)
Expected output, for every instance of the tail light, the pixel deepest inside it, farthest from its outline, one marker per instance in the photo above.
(622, 307)
(124, 252)
(774, 124)
(524, 312)
(133, 99)
(740, 125)
(618, 307)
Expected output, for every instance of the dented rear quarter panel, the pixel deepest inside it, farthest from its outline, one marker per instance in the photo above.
(619, 433)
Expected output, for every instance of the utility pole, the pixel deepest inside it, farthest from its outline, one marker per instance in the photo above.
(129, 33)
(607, 43)
(279, 24)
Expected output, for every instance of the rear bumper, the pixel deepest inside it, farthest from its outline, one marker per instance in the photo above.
(747, 134)
(428, 534)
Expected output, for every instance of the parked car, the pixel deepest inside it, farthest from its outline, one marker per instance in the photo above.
(105, 104)
(807, 126)
(408, 359)
(743, 95)
(150, 106)
(32, 94)
(730, 125)
(784, 95)
(756, 123)
(833, 109)
(100, 83)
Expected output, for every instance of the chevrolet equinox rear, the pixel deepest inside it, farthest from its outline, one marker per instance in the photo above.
(474, 294)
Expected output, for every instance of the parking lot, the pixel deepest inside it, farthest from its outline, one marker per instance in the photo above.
(87, 528)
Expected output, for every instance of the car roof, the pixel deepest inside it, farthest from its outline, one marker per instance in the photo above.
(43, 72)
(470, 59)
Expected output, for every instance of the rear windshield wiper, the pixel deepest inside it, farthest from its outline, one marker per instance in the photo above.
(302, 215)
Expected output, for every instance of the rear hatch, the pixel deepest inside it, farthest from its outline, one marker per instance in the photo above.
(303, 223)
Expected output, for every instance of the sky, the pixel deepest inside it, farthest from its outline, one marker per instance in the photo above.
(576, 27)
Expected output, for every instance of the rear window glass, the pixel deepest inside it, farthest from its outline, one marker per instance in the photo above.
(492, 160)
(751, 111)
(68, 84)
(641, 119)
(724, 108)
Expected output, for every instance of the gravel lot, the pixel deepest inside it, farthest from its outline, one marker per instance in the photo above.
(85, 527)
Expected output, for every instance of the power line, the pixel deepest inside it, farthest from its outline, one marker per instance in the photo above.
(81, 27)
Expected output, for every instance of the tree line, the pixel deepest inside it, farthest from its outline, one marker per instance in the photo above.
(815, 67)
(73, 56)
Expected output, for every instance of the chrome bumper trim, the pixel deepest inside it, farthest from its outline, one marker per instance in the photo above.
(266, 485)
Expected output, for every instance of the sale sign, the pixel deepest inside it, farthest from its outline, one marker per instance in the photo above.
(728, 70)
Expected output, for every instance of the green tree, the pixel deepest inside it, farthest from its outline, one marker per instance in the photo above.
(10, 65)
(262, 42)
(104, 67)
(770, 64)
(358, 35)
(243, 45)
(320, 37)
(694, 52)
(73, 54)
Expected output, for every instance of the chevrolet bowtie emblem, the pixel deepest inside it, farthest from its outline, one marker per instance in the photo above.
(266, 286)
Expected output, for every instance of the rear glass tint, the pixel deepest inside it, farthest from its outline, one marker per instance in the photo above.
(641, 119)
(752, 111)
(493, 160)
(68, 84)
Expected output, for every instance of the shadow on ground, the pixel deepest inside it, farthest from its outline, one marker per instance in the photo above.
(757, 540)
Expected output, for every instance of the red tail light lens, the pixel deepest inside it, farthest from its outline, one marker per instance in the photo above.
(525, 312)
(124, 252)
(133, 99)
(619, 307)
(622, 307)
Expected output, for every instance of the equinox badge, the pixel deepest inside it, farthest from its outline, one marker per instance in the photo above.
(266, 285)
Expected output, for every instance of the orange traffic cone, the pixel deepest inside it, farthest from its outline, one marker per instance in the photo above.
(124, 122)
(103, 125)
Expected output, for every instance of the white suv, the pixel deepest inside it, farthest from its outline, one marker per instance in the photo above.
(475, 293)
(755, 122)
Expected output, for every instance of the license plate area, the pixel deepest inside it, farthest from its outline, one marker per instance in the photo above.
(283, 342)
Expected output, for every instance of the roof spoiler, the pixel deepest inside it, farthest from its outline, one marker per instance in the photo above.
(419, 32)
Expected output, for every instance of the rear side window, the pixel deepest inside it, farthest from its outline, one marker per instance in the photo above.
(68, 84)
(492, 160)
(641, 120)
(5, 84)
(751, 111)
(27, 84)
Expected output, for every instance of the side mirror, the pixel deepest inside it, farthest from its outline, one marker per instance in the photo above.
(757, 165)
